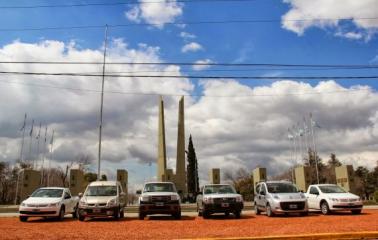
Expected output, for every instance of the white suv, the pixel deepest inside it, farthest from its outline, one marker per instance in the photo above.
(102, 199)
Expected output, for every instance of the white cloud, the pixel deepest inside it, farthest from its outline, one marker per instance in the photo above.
(350, 35)
(157, 13)
(228, 132)
(327, 12)
(202, 65)
(186, 35)
(191, 47)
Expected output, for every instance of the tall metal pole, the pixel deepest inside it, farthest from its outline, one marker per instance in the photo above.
(102, 105)
(43, 157)
(23, 139)
(51, 156)
(315, 154)
(38, 137)
(31, 142)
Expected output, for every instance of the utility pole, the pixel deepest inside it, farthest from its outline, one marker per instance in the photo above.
(314, 145)
(23, 139)
(102, 104)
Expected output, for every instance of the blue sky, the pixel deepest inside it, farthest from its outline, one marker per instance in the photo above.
(320, 40)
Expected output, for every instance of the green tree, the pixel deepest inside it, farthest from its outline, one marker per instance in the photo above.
(192, 171)
(367, 181)
(103, 177)
(90, 177)
(333, 161)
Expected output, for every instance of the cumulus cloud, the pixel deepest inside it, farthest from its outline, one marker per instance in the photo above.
(186, 35)
(326, 14)
(156, 13)
(201, 64)
(233, 125)
(191, 47)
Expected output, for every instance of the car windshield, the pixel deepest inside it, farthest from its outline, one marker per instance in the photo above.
(281, 188)
(331, 189)
(101, 191)
(159, 187)
(219, 189)
(48, 193)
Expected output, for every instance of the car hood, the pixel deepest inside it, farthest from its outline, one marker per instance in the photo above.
(289, 196)
(158, 193)
(222, 195)
(341, 195)
(39, 200)
(97, 199)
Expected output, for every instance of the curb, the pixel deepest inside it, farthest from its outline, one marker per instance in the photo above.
(349, 236)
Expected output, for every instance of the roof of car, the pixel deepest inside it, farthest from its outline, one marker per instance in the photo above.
(103, 183)
(53, 188)
(158, 182)
(323, 184)
(218, 184)
(277, 181)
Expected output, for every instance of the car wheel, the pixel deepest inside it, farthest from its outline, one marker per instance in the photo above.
(141, 216)
(81, 218)
(116, 214)
(269, 211)
(325, 208)
(227, 214)
(205, 214)
(75, 212)
(257, 210)
(177, 215)
(237, 214)
(122, 213)
(356, 211)
(61, 214)
(23, 218)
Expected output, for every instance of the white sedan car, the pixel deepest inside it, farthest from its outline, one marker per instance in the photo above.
(330, 197)
(49, 202)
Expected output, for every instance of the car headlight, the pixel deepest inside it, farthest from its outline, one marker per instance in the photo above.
(53, 204)
(208, 200)
(82, 203)
(276, 197)
(174, 197)
(239, 199)
(145, 198)
(23, 204)
(303, 196)
(112, 202)
(334, 199)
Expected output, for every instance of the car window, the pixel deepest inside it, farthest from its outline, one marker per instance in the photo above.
(219, 189)
(313, 190)
(67, 195)
(101, 191)
(262, 189)
(331, 189)
(159, 187)
(48, 193)
(257, 190)
(281, 187)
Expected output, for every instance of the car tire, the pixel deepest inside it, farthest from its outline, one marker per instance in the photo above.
(356, 211)
(81, 218)
(122, 213)
(237, 214)
(75, 212)
(61, 213)
(205, 214)
(325, 208)
(23, 219)
(177, 216)
(141, 216)
(269, 211)
(227, 214)
(116, 214)
(257, 210)
(199, 212)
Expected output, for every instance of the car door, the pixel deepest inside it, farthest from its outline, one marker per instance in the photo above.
(122, 196)
(68, 202)
(199, 199)
(262, 195)
(257, 195)
(313, 198)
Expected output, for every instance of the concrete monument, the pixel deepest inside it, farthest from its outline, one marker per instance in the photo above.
(77, 182)
(122, 177)
(259, 175)
(302, 177)
(345, 177)
(162, 154)
(29, 181)
(214, 176)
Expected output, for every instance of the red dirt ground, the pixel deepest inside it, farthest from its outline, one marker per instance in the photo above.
(188, 227)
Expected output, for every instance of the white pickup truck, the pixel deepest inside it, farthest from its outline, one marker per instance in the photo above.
(330, 197)
(49, 202)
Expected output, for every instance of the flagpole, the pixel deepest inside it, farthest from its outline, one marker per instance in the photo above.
(305, 136)
(51, 156)
(30, 143)
(23, 139)
(38, 137)
(102, 105)
(43, 157)
(315, 154)
(300, 142)
(291, 139)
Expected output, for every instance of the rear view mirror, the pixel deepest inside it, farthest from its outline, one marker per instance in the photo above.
(67, 197)
(139, 192)
(262, 193)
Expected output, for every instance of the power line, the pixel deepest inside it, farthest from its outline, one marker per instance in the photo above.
(116, 3)
(189, 95)
(342, 66)
(191, 77)
(182, 22)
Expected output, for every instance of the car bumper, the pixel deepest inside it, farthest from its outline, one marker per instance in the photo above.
(39, 212)
(223, 207)
(97, 212)
(345, 206)
(290, 207)
(159, 208)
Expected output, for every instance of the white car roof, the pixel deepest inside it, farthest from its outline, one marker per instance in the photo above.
(158, 182)
(103, 183)
(324, 184)
(54, 188)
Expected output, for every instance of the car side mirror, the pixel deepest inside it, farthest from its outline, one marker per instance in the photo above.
(67, 197)
(262, 193)
(139, 192)
(80, 195)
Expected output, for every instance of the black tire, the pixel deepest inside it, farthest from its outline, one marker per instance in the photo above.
(61, 213)
(257, 210)
(237, 214)
(81, 218)
(325, 208)
(227, 214)
(76, 212)
(116, 214)
(356, 211)
(205, 214)
(141, 216)
(199, 210)
(23, 219)
(269, 211)
(177, 215)
(121, 213)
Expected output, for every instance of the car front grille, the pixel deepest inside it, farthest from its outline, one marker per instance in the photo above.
(160, 198)
(292, 206)
(224, 200)
(36, 205)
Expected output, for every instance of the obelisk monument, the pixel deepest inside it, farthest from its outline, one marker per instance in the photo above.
(180, 178)
(162, 154)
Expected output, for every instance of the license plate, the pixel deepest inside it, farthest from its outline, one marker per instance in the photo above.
(96, 210)
(293, 206)
(159, 204)
(225, 205)
(351, 204)
(36, 210)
